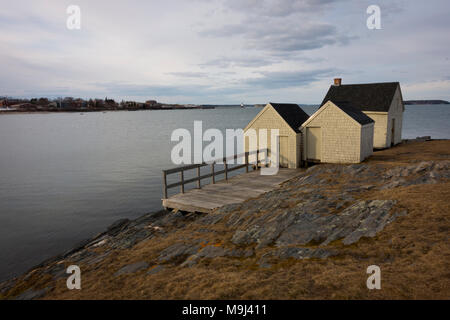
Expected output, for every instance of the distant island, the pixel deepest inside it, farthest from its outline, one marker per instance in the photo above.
(425, 102)
(69, 104)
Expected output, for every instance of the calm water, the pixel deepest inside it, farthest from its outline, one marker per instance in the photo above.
(66, 177)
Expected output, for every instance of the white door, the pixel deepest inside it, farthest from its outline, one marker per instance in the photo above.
(313, 143)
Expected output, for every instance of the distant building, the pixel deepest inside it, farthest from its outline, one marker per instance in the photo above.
(337, 133)
(99, 103)
(42, 101)
(24, 106)
(151, 102)
(382, 102)
(287, 118)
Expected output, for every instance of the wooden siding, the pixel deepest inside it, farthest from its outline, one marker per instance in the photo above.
(342, 136)
(270, 119)
(383, 122)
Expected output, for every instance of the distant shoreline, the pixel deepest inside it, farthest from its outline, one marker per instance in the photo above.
(44, 110)
(427, 102)
(88, 111)
(203, 107)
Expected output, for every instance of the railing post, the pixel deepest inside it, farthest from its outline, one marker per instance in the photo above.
(257, 155)
(182, 181)
(226, 169)
(246, 162)
(199, 185)
(165, 184)
(212, 171)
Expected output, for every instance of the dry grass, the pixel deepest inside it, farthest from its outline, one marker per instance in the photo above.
(413, 152)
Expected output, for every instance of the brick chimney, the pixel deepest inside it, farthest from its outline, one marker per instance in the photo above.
(337, 81)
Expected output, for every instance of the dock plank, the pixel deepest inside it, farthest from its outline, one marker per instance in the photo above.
(234, 190)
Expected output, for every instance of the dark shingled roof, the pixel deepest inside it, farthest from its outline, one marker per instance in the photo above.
(291, 113)
(353, 112)
(366, 97)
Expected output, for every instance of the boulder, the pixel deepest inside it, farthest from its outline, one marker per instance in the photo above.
(132, 268)
(302, 253)
(31, 294)
(117, 226)
(212, 252)
(155, 269)
(177, 251)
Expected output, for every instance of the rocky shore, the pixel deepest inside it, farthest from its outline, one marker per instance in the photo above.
(312, 237)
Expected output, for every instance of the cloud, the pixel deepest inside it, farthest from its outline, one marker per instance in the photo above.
(283, 37)
(190, 74)
(139, 90)
(265, 80)
(239, 61)
(277, 8)
(277, 28)
(287, 79)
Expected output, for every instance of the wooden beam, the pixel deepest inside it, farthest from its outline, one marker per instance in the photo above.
(182, 181)
(165, 185)
(226, 170)
(246, 162)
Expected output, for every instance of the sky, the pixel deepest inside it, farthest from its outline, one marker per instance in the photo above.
(222, 52)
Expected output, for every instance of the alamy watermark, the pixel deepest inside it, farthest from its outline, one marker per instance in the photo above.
(73, 21)
(190, 150)
(374, 20)
(374, 280)
(74, 280)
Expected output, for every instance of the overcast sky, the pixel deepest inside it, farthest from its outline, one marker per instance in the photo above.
(216, 51)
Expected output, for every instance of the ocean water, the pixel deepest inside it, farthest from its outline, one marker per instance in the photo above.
(65, 177)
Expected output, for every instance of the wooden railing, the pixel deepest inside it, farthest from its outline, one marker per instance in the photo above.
(182, 182)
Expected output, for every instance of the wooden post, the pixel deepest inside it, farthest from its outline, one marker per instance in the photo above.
(182, 181)
(212, 171)
(246, 162)
(165, 185)
(257, 156)
(199, 185)
(226, 169)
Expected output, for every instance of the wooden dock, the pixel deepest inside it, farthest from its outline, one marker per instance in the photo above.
(232, 190)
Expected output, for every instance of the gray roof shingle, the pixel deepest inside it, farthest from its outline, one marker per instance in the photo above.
(366, 97)
(291, 113)
(354, 112)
